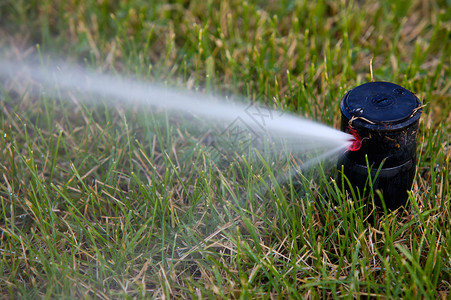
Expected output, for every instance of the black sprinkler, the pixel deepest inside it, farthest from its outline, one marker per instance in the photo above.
(384, 119)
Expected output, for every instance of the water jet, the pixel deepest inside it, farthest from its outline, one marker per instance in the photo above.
(240, 122)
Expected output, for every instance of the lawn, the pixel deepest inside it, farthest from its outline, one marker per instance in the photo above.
(101, 200)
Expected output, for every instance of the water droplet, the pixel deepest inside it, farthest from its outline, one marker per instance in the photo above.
(358, 111)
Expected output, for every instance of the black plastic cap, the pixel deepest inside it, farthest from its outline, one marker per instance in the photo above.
(380, 106)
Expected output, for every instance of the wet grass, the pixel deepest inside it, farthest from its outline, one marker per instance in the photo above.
(120, 202)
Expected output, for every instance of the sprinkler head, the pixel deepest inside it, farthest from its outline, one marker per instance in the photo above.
(383, 118)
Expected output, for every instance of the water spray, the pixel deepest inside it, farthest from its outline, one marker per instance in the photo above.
(379, 121)
(120, 90)
(383, 118)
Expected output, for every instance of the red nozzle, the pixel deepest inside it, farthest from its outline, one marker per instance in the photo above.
(357, 142)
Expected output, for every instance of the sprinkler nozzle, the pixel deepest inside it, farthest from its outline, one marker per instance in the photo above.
(356, 141)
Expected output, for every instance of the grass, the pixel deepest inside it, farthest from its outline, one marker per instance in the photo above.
(120, 202)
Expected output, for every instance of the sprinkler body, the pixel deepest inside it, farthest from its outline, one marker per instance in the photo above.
(383, 118)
